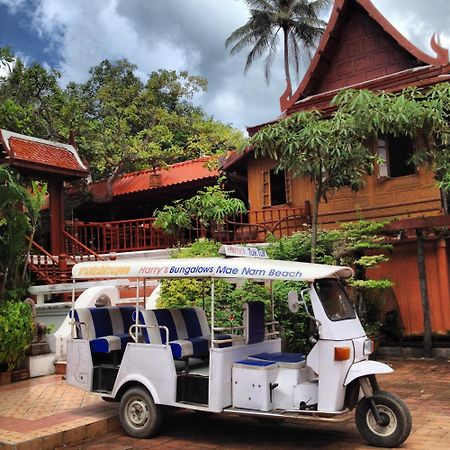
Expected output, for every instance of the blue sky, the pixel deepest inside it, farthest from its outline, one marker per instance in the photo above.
(74, 35)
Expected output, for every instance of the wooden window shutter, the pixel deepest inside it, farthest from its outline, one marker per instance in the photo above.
(266, 200)
(288, 186)
(383, 167)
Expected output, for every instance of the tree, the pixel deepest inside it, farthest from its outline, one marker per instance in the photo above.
(6, 60)
(424, 116)
(14, 226)
(299, 22)
(34, 202)
(360, 245)
(121, 122)
(210, 206)
(331, 152)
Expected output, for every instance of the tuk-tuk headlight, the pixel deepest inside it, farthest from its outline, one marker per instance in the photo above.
(368, 347)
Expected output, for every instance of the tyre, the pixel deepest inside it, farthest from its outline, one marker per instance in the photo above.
(394, 413)
(139, 415)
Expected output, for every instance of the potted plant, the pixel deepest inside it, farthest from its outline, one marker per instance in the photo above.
(16, 331)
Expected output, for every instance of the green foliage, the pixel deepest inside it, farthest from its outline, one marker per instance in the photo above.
(16, 331)
(297, 247)
(34, 202)
(371, 284)
(19, 216)
(14, 226)
(212, 205)
(422, 115)
(229, 298)
(201, 248)
(295, 329)
(121, 122)
(357, 244)
(331, 152)
(296, 20)
(172, 218)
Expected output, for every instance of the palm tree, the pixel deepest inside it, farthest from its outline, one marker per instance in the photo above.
(297, 19)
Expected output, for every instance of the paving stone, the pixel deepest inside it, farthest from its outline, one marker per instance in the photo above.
(46, 413)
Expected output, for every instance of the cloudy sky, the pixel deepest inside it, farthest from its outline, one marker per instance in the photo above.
(74, 35)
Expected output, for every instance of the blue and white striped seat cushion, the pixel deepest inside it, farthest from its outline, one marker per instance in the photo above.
(189, 333)
(106, 328)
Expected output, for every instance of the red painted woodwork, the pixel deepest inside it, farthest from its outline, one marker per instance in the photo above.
(362, 51)
(140, 234)
(55, 189)
(402, 270)
(35, 155)
(143, 180)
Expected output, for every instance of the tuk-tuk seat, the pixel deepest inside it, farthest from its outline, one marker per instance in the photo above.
(189, 333)
(254, 322)
(106, 328)
(280, 357)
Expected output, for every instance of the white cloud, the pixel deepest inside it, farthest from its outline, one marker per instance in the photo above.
(190, 35)
(13, 5)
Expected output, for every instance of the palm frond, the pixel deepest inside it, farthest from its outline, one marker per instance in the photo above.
(298, 18)
(271, 55)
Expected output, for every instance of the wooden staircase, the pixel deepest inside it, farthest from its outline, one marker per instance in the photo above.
(55, 269)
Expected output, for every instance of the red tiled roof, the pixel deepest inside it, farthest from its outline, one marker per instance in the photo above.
(147, 179)
(41, 155)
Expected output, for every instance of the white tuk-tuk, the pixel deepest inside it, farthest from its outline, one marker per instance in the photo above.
(149, 360)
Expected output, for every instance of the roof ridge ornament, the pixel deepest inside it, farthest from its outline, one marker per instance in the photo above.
(442, 56)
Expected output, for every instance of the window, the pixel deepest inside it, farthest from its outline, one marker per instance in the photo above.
(396, 152)
(334, 300)
(276, 188)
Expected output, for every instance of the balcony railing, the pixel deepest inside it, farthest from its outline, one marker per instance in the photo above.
(141, 234)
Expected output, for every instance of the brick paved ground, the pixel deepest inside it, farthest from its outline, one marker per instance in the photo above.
(45, 412)
(423, 384)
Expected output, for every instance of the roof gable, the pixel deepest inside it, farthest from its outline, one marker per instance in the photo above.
(363, 51)
(359, 44)
(40, 155)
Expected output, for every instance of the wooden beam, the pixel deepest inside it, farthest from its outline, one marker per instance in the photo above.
(417, 223)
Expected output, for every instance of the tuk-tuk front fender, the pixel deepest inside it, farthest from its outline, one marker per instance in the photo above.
(363, 368)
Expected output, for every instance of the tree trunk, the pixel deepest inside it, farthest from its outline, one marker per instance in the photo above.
(286, 62)
(445, 201)
(424, 292)
(314, 223)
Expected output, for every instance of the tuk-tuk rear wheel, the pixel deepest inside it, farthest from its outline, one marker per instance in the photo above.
(139, 415)
(396, 420)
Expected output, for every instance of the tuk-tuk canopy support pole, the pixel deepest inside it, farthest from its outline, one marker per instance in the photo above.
(212, 312)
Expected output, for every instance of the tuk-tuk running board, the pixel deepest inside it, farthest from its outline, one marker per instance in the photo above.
(294, 414)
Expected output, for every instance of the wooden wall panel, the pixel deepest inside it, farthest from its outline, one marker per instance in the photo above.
(402, 269)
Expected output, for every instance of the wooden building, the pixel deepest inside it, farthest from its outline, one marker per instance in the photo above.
(50, 161)
(362, 50)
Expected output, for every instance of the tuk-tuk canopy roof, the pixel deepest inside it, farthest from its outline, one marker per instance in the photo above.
(231, 268)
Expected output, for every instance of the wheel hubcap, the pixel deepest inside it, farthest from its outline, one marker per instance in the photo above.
(138, 412)
(389, 421)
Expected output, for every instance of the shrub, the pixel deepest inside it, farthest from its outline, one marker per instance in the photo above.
(16, 331)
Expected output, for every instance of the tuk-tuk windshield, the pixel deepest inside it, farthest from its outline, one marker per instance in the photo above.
(334, 299)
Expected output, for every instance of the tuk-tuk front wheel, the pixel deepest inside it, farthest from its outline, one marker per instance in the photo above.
(139, 415)
(395, 417)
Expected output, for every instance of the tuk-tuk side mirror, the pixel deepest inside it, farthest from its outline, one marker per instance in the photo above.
(293, 304)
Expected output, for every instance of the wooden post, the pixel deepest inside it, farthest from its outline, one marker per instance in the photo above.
(62, 266)
(444, 280)
(55, 188)
(427, 344)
